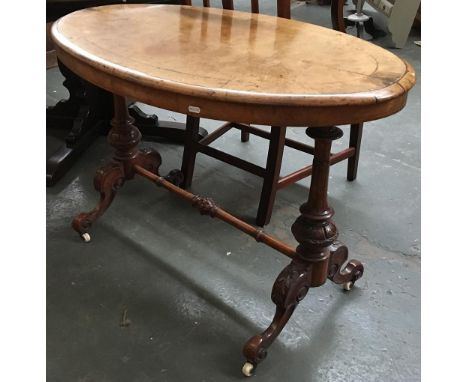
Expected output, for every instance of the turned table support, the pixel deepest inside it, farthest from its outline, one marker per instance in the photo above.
(318, 256)
(124, 137)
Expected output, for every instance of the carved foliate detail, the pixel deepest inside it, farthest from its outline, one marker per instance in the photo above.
(290, 287)
(319, 255)
(124, 137)
(292, 284)
(206, 206)
(109, 176)
(311, 232)
(314, 229)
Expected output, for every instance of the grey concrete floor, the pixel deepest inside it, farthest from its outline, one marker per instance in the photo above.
(195, 289)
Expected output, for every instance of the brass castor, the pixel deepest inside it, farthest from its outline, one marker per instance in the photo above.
(248, 369)
(348, 286)
(86, 237)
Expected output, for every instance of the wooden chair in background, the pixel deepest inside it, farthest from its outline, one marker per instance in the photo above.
(272, 181)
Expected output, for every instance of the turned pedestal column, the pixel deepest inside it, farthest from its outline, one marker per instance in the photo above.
(318, 256)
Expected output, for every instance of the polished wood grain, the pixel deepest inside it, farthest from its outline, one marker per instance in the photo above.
(256, 68)
(276, 146)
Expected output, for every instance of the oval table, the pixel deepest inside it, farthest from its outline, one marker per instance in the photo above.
(236, 66)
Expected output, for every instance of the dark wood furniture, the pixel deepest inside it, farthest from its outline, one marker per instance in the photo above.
(272, 181)
(360, 82)
(88, 110)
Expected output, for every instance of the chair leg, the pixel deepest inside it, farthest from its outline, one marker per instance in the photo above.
(354, 141)
(245, 135)
(190, 150)
(273, 168)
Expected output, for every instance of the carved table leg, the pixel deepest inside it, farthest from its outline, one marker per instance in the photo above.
(289, 289)
(318, 256)
(124, 137)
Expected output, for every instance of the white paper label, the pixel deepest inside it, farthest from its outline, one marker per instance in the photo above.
(194, 109)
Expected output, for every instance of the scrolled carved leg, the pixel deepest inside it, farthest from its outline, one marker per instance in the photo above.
(290, 287)
(107, 181)
(124, 137)
(348, 275)
(319, 255)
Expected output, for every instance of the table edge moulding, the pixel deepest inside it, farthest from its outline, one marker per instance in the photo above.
(242, 106)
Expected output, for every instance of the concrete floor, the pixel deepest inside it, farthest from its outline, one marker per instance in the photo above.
(195, 289)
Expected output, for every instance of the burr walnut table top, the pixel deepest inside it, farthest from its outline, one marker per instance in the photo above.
(233, 65)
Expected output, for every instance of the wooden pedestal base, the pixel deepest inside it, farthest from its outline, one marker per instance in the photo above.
(124, 137)
(319, 255)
